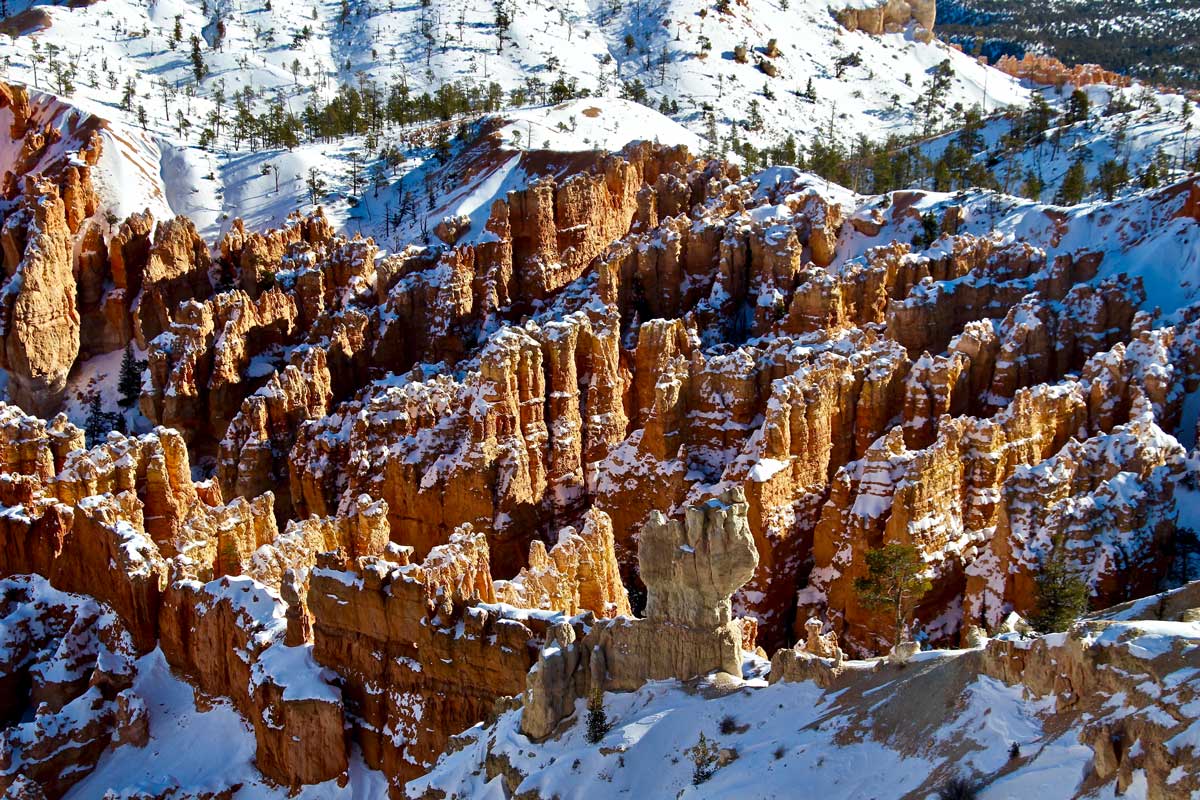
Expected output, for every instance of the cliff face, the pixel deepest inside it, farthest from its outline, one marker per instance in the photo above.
(40, 319)
(420, 658)
(72, 659)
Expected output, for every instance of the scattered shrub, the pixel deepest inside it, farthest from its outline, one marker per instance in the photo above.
(958, 789)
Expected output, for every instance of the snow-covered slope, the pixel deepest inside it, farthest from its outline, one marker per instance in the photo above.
(1133, 127)
(880, 731)
(137, 63)
(200, 752)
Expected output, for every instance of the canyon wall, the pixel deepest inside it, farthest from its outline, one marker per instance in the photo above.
(650, 412)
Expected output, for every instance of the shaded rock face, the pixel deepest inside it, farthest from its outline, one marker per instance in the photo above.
(224, 636)
(424, 650)
(691, 569)
(420, 658)
(69, 660)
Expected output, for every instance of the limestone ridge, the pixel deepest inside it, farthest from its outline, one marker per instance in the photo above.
(691, 568)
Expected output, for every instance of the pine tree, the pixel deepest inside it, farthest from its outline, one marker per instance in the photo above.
(1033, 186)
(1150, 178)
(129, 382)
(1078, 107)
(1112, 176)
(810, 94)
(929, 231)
(1061, 596)
(704, 758)
(895, 579)
(198, 68)
(597, 718)
(316, 185)
(98, 422)
(1074, 185)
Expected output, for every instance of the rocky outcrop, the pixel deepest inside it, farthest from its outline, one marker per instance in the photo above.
(691, 569)
(124, 523)
(359, 530)
(1104, 503)
(254, 452)
(66, 675)
(254, 257)
(175, 270)
(1147, 740)
(877, 17)
(227, 638)
(198, 367)
(39, 321)
(420, 654)
(1049, 71)
(580, 572)
(958, 499)
(511, 473)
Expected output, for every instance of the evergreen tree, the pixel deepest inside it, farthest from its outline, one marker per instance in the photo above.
(1033, 186)
(1112, 176)
(1078, 107)
(1037, 118)
(503, 21)
(98, 423)
(199, 70)
(1186, 549)
(704, 755)
(129, 382)
(316, 185)
(896, 579)
(1074, 185)
(597, 718)
(929, 231)
(810, 94)
(1061, 596)
(1150, 178)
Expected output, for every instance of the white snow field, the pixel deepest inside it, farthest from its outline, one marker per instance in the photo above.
(131, 62)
